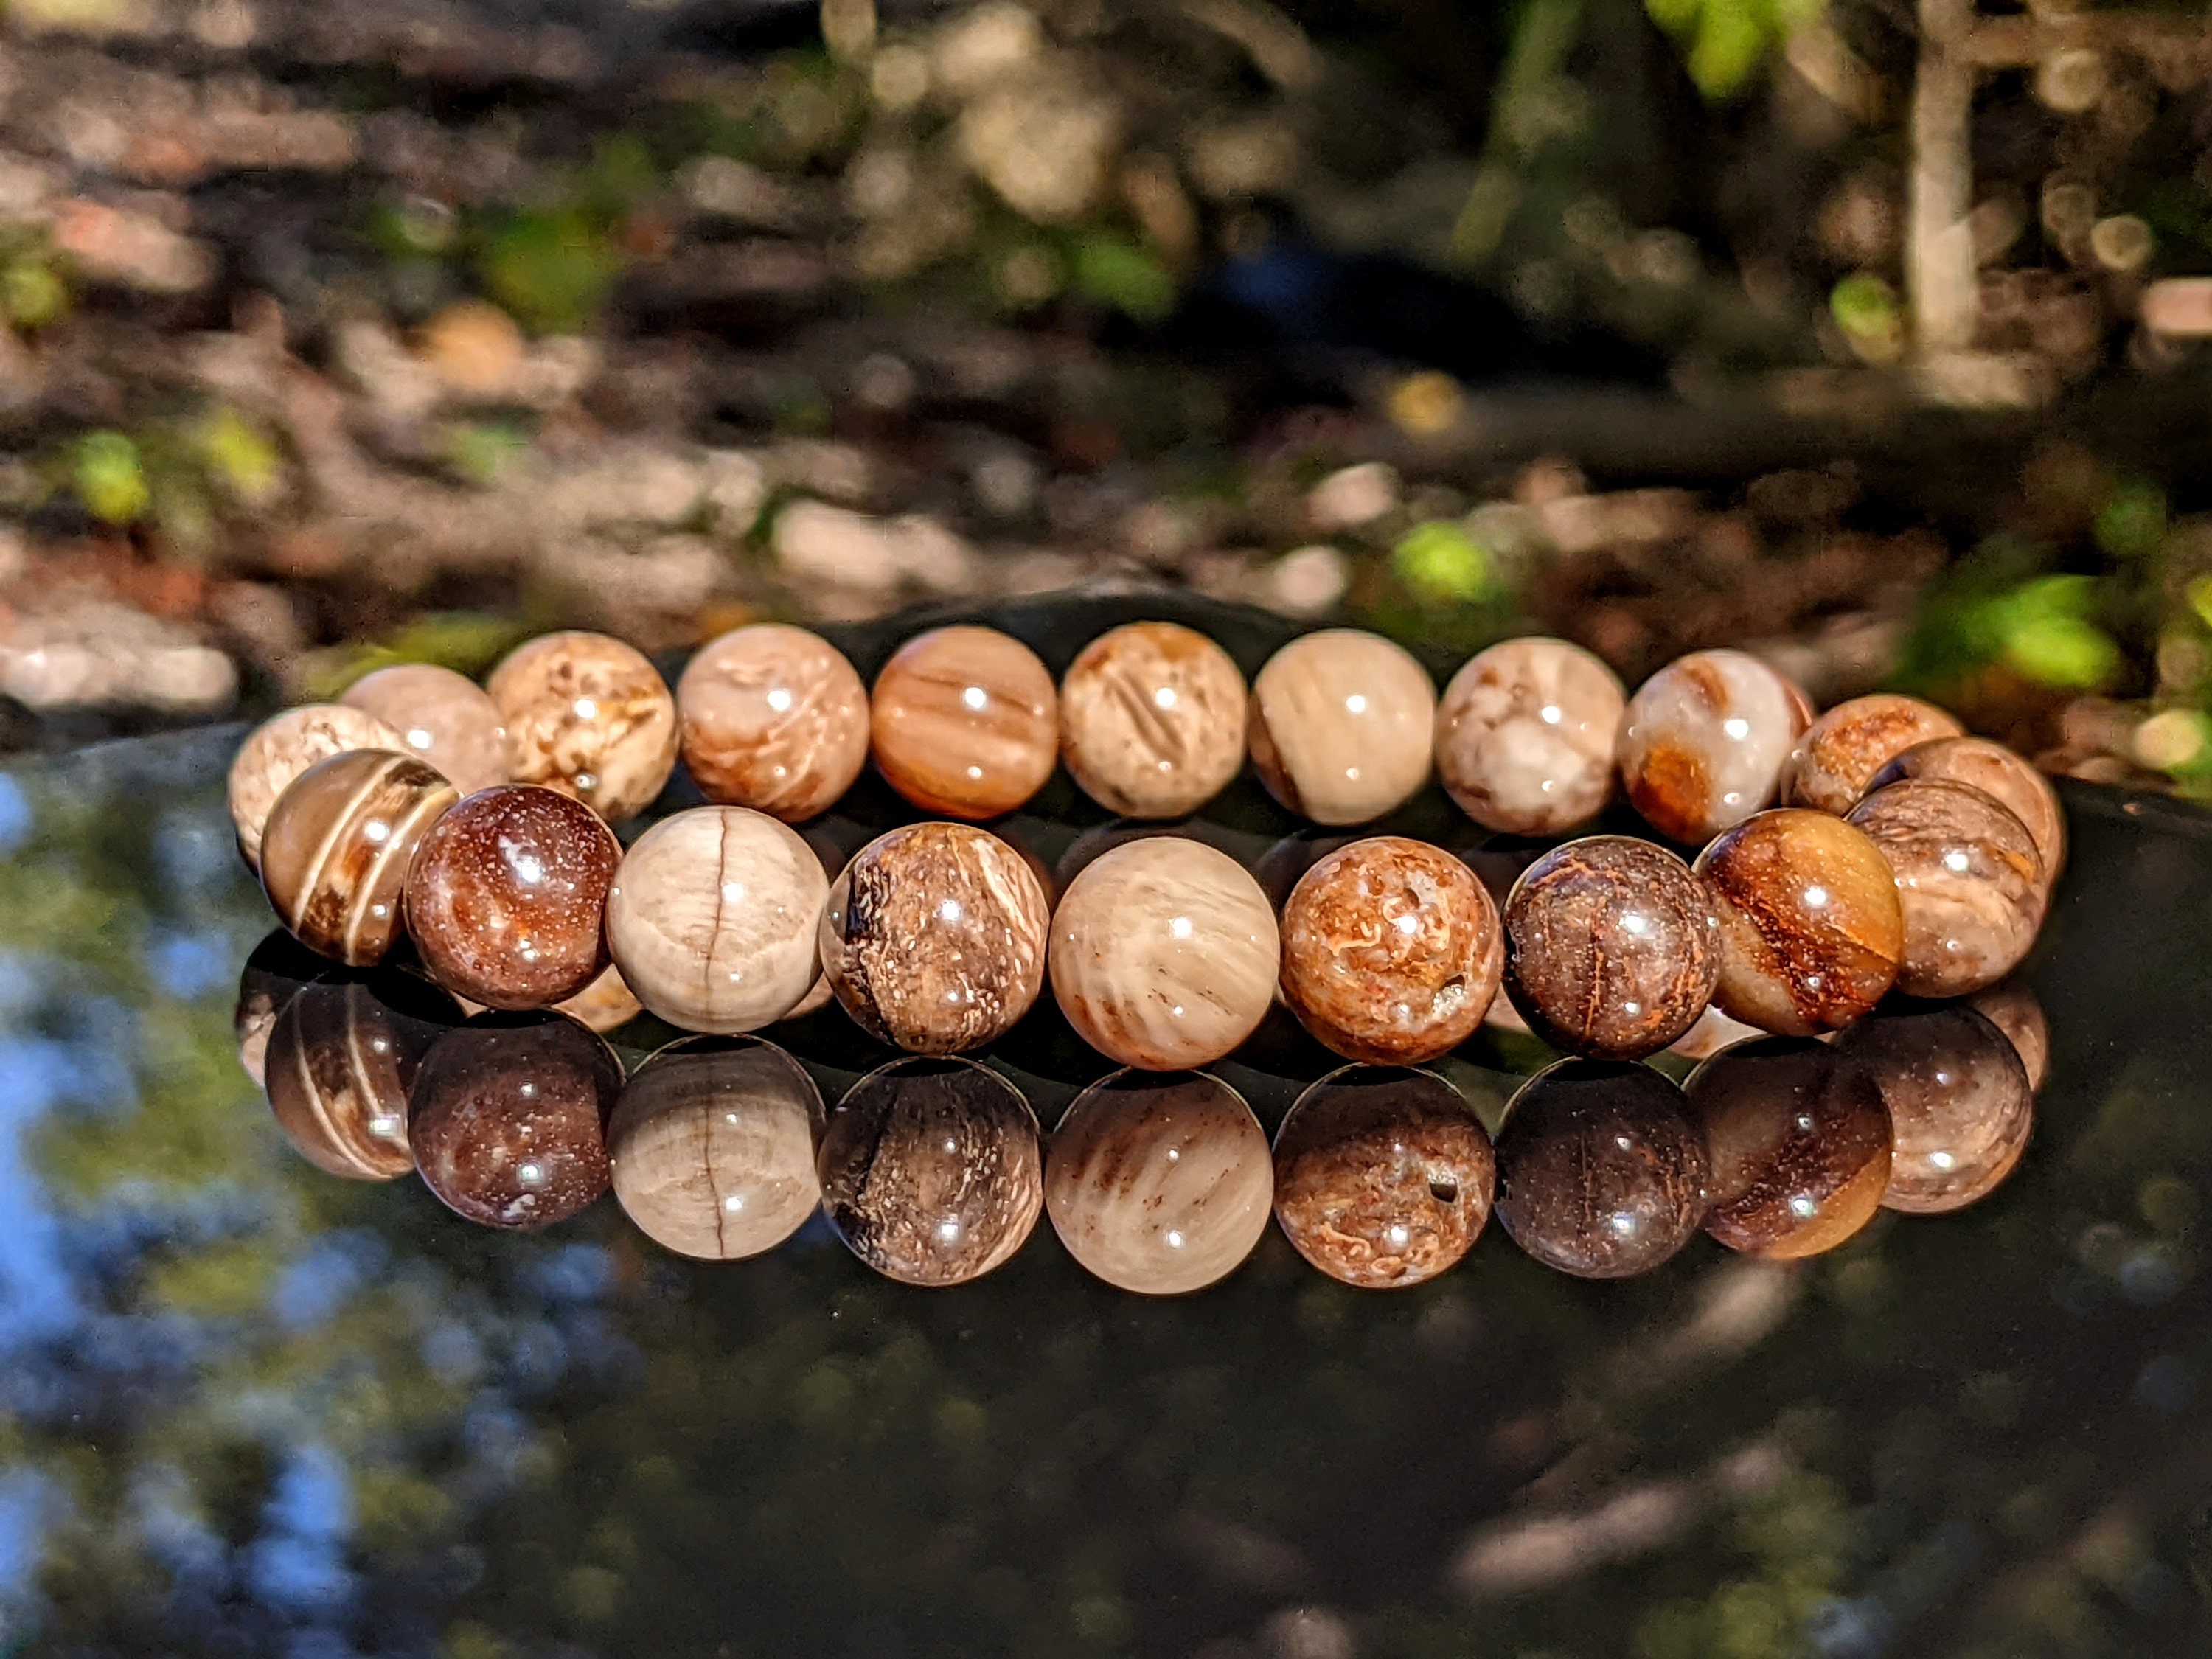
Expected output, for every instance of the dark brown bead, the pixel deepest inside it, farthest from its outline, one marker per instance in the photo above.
(342, 1059)
(1959, 1104)
(279, 969)
(335, 851)
(1968, 878)
(2014, 1008)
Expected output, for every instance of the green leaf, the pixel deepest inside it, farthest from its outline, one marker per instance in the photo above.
(2132, 525)
(552, 270)
(108, 478)
(1440, 562)
(1120, 274)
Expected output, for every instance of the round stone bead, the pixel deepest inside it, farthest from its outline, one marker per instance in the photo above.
(965, 722)
(712, 919)
(1967, 877)
(1959, 1105)
(447, 721)
(1391, 952)
(334, 856)
(607, 1004)
(1526, 737)
(506, 895)
(1799, 1142)
(1713, 1032)
(1383, 1177)
(279, 969)
(2014, 1008)
(1704, 740)
(713, 1146)
(931, 1171)
(774, 718)
(1840, 752)
(1157, 1184)
(1812, 932)
(1151, 720)
(589, 716)
(934, 938)
(1342, 725)
(341, 1061)
(1611, 947)
(1164, 954)
(1601, 1171)
(1998, 773)
(285, 746)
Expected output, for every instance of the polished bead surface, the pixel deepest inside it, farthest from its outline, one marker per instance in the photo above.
(713, 1147)
(1959, 1105)
(1526, 734)
(931, 1170)
(965, 722)
(1836, 758)
(1799, 1142)
(1391, 952)
(589, 716)
(1611, 947)
(2014, 1008)
(774, 718)
(1705, 739)
(508, 1118)
(335, 853)
(1812, 931)
(1151, 720)
(1342, 725)
(284, 745)
(342, 1059)
(1967, 877)
(1164, 954)
(506, 895)
(1158, 1184)
(1383, 1177)
(934, 938)
(448, 722)
(279, 969)
(712, 919)
(1713, 1032)
(1998, 772)
(1601, 1172)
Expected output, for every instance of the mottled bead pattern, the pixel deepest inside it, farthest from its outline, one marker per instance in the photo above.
(774, 718)
(589, 716)
(2014, 1008)
(965, 722)
(1151, 720)
(1967, 877)
(1342, 725)
(284, 746)
(2011, 781)
(1960, 1109)
(934, 938)
(1704, 740)
(341, 1063)
(334, 857)
(1836, 758)
(447, 721)
(1526, 735)
(1391, 952)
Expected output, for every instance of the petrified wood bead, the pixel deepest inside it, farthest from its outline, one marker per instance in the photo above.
(934, 938)
(589, 716)
(2014, 1008)
(712, 1145)
(1967, 877)
(931, 1171)
(1959, 1105)
(1812, 932)
(1526, 736)
(279, 969)
(1611, 947)
(1158, 1184)
(1704, 740)
(447, 721)
(335, 853)
(1342, 725)
(507, 897)
(712, 919)
(1601, 1172)
(341, 1061)
(1836, 758)
(1998, 772)
(774, 718)
(1383, 1177)
(1391, 952)
(284, 746)
(607, 1004)
(1151, 720)
(1713, 1032)
(1799, 1142)
(965, 722)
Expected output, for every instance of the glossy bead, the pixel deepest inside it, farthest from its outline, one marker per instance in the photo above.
(1601, 1173)
(447, 721)
(2014, 1008)
(965, 722)
(934, 938)
(1164, 954)
(334, 855)
(1383, 1177)
(1998, 773)
(713, 1146)
(341, 1061)
(712, 919)
(506, 895)
(774, 718)
(1959, 1105)
(285, 746)
(931, 1171)
(1705, 739)
(1158, 1184)
(1391, 952)
(1611, 947)
(1799, 1142)
(1836, 758)
(279, 969)
(1151, 720)
(590, 717)
(1713, 1032)
(1342, 725)
(509, 1118)
(1526, 737)
(1812, 932)
(1967, 877)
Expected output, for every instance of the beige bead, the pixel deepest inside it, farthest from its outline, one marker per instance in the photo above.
(1151, 720)
(1342, 725)
(1526, 736)
(287, 744)
(606, 1004)
(447, 719)
(590, 717)
(965, 722)
(1967, 877)
(2005, 777)
(1704, 740)
(338, 848)
(712, 919)
(774, 718)
(1836, 758)
(1164, 954)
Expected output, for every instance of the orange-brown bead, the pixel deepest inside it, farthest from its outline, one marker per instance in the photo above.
(1836, 758)
(774, 718)
(965, 722)
(334, 856)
